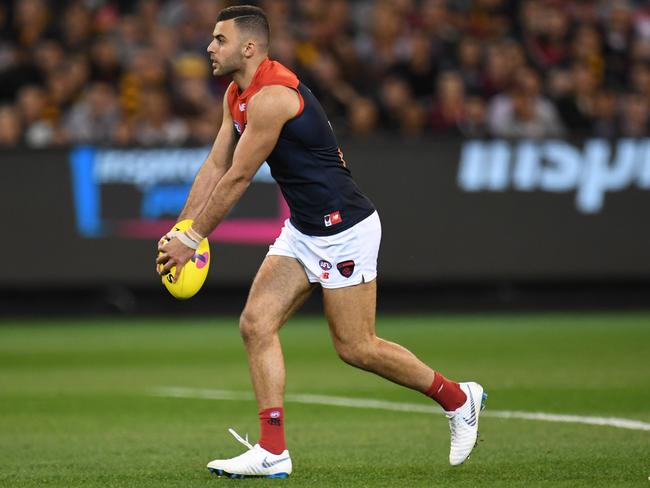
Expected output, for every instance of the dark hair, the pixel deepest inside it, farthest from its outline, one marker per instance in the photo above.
(248, 18)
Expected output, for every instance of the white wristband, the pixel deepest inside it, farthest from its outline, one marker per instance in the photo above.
(185, 239)
(194, 235)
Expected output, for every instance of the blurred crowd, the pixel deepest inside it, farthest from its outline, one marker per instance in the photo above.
(136, 72)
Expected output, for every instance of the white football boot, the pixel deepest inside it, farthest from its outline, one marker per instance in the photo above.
(463, 423)
(256, 462)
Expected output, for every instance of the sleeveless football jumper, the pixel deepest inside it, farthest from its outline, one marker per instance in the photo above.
(306, 162)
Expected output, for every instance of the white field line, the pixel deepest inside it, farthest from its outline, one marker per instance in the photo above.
(336, 401)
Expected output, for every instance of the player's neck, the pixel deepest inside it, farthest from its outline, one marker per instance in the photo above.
(244, 77)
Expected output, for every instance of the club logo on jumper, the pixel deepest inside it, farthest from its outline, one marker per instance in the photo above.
(326, 265)
(275, 414)
(333, 218)
(201, 259)
(346, 268)
(242, 106)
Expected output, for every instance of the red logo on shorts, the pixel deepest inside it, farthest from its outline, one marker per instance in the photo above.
(346, 268)
(325, 275)
(333, 219)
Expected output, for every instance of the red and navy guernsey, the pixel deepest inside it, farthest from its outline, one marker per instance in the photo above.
(306, 161)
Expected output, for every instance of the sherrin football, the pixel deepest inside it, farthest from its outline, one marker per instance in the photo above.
(194, 272)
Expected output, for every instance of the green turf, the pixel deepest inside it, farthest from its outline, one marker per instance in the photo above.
(76, 409)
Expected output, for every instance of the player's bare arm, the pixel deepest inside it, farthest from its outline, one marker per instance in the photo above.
(211, 171)
(215, 166)
(268, 111)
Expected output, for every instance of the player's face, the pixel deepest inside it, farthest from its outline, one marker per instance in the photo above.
(225, 49)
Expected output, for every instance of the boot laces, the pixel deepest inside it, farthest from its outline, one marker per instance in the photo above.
(241, 439)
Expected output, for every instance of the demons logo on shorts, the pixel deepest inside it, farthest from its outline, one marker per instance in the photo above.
(326, 265)
(346, 268)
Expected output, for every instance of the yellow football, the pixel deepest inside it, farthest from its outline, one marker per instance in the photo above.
(194, 272)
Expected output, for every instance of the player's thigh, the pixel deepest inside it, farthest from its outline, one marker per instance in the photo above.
(350, 313)
(278, 289)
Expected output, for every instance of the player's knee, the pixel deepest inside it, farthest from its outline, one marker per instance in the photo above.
(251, 327)
(357, 355)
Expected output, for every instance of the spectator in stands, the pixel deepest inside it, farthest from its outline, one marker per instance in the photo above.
(191, 92)
(498, 73)
(618, 39)
(413, 120)
(524, 116)
(94, 118)
(148, 13)
(469, 55)
(61, 87)
(640, 51)
(129, 37)
(448, 110)
(31, 23)
(418, 69)
(639, 80)
(587, 49)
(147, 71)
(605, 121)
(474, 123)
(559, 85)
(384, 45)
(193, 100)
(334, 92)
(10, 127)
(105, 63)
(440, 24)
(201, 128)
(577, 107)
(548, 46)
(524, 112)
(396, 100)
(486, 19)
(49, 56)
(156, 125)
(634, 117)
(40, 130)
(165, 41)
(76, 27)
(363, 117)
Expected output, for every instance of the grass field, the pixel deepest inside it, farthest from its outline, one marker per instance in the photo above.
(80, 403)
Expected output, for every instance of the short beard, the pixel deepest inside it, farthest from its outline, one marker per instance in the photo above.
(226, 69)
(223, 71)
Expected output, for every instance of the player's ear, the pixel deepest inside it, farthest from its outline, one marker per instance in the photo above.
(249, 49)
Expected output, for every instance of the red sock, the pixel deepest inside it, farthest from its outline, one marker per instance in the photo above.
(446, 392)
(272, 430)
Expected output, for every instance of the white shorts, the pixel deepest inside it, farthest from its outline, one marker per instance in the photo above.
(344, 259)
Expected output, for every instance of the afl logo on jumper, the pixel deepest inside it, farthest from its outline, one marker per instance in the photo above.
(326, 265)
(346, 268)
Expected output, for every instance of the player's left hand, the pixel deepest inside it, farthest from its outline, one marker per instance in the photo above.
(172, 252)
